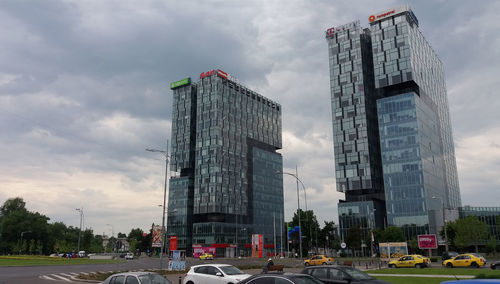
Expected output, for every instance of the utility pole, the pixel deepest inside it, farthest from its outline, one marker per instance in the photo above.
(80, 232)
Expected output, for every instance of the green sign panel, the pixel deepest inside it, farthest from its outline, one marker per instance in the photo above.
(179, 83)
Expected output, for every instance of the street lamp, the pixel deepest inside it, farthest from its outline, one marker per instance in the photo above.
(22, 233)
(444, 224)
(164, 153)
(80, 232)
(298, 204)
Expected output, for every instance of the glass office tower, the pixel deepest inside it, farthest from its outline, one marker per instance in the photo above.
(355, 127)
(414, 139)
(226, 162)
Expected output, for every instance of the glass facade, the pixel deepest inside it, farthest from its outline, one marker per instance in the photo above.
(403, 61)
(392, 134)
(218, 127)
(412, 161)
(354, 118)
(488, 215)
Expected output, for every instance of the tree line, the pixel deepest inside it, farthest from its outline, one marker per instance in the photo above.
(26, 232)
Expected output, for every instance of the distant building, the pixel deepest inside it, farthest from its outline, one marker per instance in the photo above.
(393, 144)
(224, 142)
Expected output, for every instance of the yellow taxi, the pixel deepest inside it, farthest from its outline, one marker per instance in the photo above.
(318, 259)
(465, 260)
(206, 256)
(412, 260)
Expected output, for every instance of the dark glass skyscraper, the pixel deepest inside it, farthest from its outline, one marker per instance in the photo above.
(400, 110)
(224, 142)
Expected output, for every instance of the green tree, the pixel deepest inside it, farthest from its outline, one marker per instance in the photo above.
(394, 234)
(491, 245)
(309, 225)
(468, 231)
(353, 238)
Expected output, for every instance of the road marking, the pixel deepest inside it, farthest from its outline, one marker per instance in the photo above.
(47, 278)
(60, 277)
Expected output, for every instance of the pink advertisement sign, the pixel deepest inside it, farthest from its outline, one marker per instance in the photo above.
(197, 251)
(427, 242)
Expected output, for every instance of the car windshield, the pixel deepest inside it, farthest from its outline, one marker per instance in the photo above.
(306, 280)
(231, 270)
(153, 279)
(356, 274)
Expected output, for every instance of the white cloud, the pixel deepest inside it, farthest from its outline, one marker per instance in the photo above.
(84, 90)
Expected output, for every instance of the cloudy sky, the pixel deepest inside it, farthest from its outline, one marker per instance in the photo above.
(84, 89)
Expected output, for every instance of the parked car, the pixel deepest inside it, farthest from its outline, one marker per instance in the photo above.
(214, 274)
(282, 278)
(464, 260)
(448, 255)
(413, 260)
(129, 255)
(318, 259)
(495, 265)
(206, 256)
(340, 274)
(136, 278)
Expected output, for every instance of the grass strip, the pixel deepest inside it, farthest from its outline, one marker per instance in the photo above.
(437, 271)
(30, 260)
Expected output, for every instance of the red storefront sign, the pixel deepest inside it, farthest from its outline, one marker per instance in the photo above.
(427, 241)
(173, 243)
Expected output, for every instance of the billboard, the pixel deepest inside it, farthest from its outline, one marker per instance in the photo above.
(157, 238)
(257, 245)
(199, 250)
(427, 241)
(390, 251)
(180, 83)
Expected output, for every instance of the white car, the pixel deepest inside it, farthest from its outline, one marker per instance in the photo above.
(214, 274)
(136, 278)
(129, 255)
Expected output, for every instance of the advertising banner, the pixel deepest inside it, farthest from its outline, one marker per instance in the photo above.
(198, 250)
(257, 245)
(427, 241)
(157, 239)
(390, 251)
(173, 242)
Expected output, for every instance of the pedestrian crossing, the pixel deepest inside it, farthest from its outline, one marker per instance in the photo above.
(69, 276)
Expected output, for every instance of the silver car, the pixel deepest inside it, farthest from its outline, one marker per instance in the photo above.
(136, 278)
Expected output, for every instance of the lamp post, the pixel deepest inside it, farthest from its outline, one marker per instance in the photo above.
(444, 224)
(164, 153)
(298, 203)
(21, 245)
(80, 232)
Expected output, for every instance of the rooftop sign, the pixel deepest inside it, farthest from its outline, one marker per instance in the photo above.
(179, 83)
(219, 73)
(388, 13)
(331, 31)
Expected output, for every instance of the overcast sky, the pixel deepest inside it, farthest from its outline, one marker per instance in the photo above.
(84, 89)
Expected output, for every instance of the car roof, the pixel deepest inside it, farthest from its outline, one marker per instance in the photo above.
(136, 273)
(332, 266)
(212, 264)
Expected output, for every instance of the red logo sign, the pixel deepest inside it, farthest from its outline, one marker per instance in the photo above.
(427, 242)
(220, 73)
(371, 18)
(330, 32)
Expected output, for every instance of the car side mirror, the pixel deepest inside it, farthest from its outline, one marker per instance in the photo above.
(219, 274)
